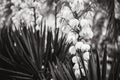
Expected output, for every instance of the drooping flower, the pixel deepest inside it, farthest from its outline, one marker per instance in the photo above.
(78, 45)
(85, 22)
(77, 73)
(77, 5)
(86, 56)
(71, 37)
(86, 33)
(23, 5)
(66, 13)
(76, 66)
(73, 22)
(72, 50)
(75, 59)
(85, 47)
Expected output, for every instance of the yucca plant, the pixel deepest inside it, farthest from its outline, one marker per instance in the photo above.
(29, 55)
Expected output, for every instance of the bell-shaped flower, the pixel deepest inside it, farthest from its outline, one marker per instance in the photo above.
(66, 13)
(85, 47)
(71, 37)
(75, 59)
(76, 66)
(72, 50)
(85, 22)
(77, 73)
(73, 22)
(77, 5)
(86, 32)
(78, 45)
(86, 56)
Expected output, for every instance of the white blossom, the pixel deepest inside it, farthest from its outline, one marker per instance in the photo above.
(72, 50)
(73, 22)
(85, 47)
(75, 59)
(66, 13)
(50, 21)
(23, 5)
(76, 66)
(86, 33)
(77, 73)
(77, 5)
(78, 45)
(86, 56)
(89, 16)
(71, 37)
(85, 22)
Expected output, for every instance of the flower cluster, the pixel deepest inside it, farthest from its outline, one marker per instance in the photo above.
(76, 50)
(81, 40)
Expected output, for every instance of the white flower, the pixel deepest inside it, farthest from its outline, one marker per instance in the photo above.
(73, 22)
(23, 5)
(72, 50)
(86, 56)
(76, 66)
(50, 21)
(85, 47)
(66, 13)
(86, 33)
(89, 16)
(71, 37)
(78, 45)
(85, 22)
(83, 71)
(77, 73)
(77, 5)
(75, 59)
